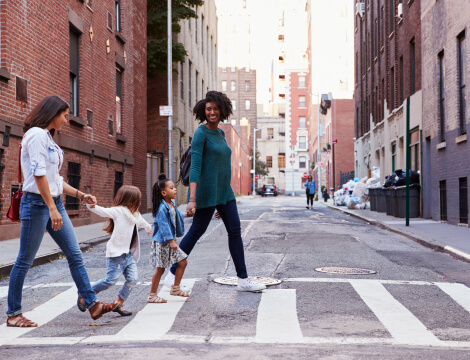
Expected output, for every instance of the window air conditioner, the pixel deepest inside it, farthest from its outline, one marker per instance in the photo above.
(360, 8)
(400, 10)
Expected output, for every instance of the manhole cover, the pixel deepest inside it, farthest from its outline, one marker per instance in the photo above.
(233, 280)
(345, 270)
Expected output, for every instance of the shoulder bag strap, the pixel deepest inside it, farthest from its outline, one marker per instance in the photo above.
(19, 167)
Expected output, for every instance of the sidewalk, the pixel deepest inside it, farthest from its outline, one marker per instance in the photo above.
(451, 239)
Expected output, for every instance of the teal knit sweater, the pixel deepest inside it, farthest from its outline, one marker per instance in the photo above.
(211, 168)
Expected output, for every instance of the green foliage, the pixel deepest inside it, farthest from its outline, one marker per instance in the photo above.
(261, 166)
(157, 32)
(312, 165)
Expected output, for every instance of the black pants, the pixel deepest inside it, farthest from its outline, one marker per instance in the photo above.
(310, 198)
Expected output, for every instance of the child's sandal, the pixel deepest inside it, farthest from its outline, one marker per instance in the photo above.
(176, 291)
(155, 299)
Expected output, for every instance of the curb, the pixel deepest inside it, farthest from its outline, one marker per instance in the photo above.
(416, 238)
(55, 255)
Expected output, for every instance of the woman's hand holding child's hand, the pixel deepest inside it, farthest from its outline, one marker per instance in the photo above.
(149, 233)
(173, 245)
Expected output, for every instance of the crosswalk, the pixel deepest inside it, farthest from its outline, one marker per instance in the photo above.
(277, 320)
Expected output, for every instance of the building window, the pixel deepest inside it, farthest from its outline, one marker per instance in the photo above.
(233, 69)
(224, 85)
(224, 69)
(463, 201)
(302, 122)
(376, 38)
(394, 156)
(392, 16)
(234, 104)
(302, 142)
(73, 179)
(247, 104)
(392, 88)
(302, 162)
(118, 15)
(195, 27)
(247, 86)
(270, 181)
(182, 81)
(414, 147)
(382, 19)
(258, 134)
(270, 132)
(89, 118)
(118, 101)
(244, 4)
(441, 96)
(202, 34)
(461, 79)
(302, 81)
(74, 72)
(413, 66)
(190, 83)
(281, 38)
(302, 101)
(118, 181)
(357, 74)
(281, 161)
(197, 85)
(443, 200)
(269, 161)
(233, 85)
(402, 81)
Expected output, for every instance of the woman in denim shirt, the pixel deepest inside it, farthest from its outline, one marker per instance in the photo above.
(41, 208)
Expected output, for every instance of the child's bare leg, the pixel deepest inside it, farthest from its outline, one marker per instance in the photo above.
(156, 279)
(180, 271)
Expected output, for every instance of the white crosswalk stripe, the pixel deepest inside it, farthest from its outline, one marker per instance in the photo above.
(277, 319)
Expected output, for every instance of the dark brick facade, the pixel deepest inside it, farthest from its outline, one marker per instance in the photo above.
(35, 46)
(383, 46)
(446, 149)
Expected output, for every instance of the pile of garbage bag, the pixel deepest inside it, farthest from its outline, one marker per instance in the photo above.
(355, 193)
(398, 178)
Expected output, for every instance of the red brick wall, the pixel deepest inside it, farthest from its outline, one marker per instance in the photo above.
(241, 179)
(35, 46)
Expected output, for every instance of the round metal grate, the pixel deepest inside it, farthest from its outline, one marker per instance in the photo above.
(345, 270)
(233, 280)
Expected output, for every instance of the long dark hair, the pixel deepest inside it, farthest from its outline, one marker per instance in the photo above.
(44, 112)
(218, 98)
(129, 196)
(157, 196)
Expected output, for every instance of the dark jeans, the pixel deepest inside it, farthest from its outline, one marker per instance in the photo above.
(201, 220)
(310, 198)
(35, 220)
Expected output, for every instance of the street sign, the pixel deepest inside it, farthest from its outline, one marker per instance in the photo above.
(252, 171)
(166, 110)
(305, 175)
(335, 141)
(256, 177)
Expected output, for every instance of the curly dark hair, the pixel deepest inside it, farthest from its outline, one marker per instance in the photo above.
(157, 196)
(218, 98)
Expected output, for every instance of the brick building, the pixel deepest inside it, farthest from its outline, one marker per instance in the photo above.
(194, 77)
(93, 54)
(387, 48)
(240, 161)
(446, 164)
(338, 116)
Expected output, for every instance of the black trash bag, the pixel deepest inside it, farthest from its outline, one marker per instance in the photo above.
(400, 179)
(390, 180)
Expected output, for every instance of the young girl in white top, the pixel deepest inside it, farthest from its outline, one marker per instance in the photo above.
(123, 248)
(169, 223)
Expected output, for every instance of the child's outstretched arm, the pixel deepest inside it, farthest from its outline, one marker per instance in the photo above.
(144, 224)
(102, 211)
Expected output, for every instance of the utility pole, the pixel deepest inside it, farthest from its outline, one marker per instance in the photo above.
(318, 145)
(170, 93)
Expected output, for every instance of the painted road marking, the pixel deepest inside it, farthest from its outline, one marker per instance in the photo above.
(397, 319)
(458, 292)
(152, 322)
(277, 320)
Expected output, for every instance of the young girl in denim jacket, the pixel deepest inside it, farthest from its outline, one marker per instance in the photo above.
(169, 224)
(123, 248)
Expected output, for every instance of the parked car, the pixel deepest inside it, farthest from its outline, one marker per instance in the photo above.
(269, 190)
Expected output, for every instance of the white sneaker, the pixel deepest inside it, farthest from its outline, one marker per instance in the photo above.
(248, 285)
(170, 280)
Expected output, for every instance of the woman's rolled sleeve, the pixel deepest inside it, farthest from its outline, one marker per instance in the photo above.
(37, 149)
(197, 150)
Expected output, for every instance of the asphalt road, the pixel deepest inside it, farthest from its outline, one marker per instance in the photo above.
(416, 305)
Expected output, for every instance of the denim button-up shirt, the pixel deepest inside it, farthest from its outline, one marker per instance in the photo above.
(311, 186)
(41, 156)
(164, 227)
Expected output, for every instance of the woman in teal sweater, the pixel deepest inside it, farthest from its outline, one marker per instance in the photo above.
(209, 185)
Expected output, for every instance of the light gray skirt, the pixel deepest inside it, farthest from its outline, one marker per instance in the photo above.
(162, 256)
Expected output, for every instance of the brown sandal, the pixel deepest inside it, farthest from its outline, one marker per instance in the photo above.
(176, 291)
(20, 321)
(101, 308)
(155, 299)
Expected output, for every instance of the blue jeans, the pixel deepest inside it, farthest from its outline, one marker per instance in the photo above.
(35, 220)
(117, 266)
(201, 220)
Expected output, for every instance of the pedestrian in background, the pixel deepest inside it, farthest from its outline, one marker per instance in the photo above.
(169, 224)
(209, 185)
(310, 188)
(123, 247)
(41, 209)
